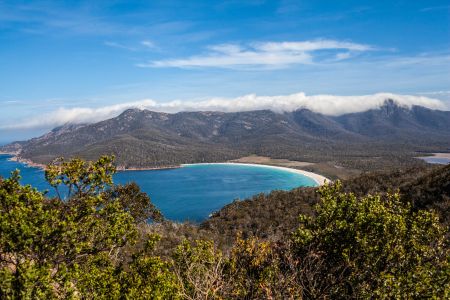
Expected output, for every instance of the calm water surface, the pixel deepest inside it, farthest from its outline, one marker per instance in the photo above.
(436, 160)
(188, 193)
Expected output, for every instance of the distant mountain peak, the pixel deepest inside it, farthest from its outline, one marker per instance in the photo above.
(390, 102)
(130, 111)
(67, 127)
(304, 110)
(391, 107)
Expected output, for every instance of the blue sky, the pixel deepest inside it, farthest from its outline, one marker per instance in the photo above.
(92, 54)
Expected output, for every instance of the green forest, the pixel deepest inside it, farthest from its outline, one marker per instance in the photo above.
(376, 236)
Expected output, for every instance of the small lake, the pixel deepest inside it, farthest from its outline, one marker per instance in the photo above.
(189, 193)
(436, 159)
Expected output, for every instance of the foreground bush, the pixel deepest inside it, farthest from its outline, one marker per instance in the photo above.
(71, 245)
(88, 242)
(372, 247)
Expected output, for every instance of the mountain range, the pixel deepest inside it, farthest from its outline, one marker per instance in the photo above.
(143, 138)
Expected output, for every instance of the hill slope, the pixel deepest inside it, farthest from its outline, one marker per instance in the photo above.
(276, 215)
(142, 138)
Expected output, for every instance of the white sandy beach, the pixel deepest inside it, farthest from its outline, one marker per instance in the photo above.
(441, 155)
(319, 179)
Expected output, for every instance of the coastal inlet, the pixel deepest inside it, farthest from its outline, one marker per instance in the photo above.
(190, 193)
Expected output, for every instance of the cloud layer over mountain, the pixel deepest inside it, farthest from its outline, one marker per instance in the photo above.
(325, 104)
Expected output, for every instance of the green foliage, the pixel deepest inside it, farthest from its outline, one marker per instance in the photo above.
(148, 276)
(259, 270)
(29, 234)
(275, 215)
(80, 177)
(144, 277)
(66, 248)
(375, 246)
(199, 269)
(134, 201)
(94, 243)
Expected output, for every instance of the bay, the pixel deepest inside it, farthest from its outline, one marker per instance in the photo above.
(190, 193)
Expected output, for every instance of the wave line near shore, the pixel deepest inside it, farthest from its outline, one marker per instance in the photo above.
(319, 179)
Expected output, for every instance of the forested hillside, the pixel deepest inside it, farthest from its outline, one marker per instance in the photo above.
(371, 140)
(355, 239)
(276, 214)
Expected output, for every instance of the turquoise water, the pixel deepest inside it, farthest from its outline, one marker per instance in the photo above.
(189, 193)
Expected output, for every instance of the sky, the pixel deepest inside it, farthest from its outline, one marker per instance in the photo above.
(83, 61)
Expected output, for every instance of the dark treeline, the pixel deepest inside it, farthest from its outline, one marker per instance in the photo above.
(274, 215)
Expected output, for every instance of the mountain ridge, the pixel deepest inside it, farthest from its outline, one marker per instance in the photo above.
(143, 138)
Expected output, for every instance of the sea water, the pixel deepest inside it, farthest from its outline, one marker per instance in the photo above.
(190, 193)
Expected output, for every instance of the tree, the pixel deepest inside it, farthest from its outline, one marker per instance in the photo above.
(199, 270)
(72, 245)
(375, 246)
(28, 241)
(260, 270)
(80, 178)
(134, 201)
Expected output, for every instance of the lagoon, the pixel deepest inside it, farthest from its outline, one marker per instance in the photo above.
(437, 158)
(192, 192)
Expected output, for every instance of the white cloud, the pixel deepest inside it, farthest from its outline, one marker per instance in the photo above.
(343, 55)
(435, 93)
(432, 8)
(312, 46)
(118, 45)
(325, 104)
(148, 44)
(422, 59)
(267, 54)
(441, 95)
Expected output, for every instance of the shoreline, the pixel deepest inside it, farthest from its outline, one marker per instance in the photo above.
(8, 153)
(30, 163)
(122, 169)
(441, 155)
(319, 179)
(435, 154)
(25, 161)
